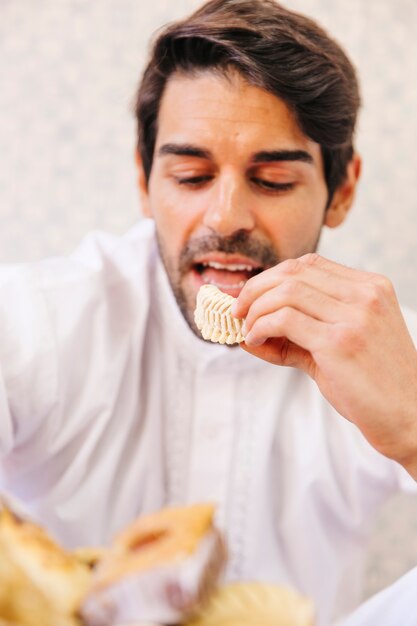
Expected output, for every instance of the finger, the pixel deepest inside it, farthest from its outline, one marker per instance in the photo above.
(281, 351)
(315, 260)
(306, 332)
(332, 278)
(301, 296)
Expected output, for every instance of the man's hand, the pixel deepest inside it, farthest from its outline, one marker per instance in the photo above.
(345, 329)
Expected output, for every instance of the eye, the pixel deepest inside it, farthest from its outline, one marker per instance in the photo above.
(272, 186)
(194, 181)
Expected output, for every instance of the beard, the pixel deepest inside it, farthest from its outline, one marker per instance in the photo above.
(242, 243)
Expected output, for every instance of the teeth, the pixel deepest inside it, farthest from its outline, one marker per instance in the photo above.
(230, 267)
(221, 286)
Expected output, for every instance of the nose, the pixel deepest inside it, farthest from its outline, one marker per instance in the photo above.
(229, 208)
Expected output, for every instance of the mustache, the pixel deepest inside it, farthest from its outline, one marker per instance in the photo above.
(239, 243)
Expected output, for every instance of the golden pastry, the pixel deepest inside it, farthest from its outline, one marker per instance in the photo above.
(158, 569)
(90, 556)
(22, 602)
(255, 604)
(58, 575)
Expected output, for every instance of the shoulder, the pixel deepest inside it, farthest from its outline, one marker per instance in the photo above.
(97, 254)
(103, 286)
(103, 258)
(60, 314)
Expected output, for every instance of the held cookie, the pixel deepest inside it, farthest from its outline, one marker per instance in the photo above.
(213, 317)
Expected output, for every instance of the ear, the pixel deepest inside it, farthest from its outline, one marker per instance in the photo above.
(142, 187)
(344, 195)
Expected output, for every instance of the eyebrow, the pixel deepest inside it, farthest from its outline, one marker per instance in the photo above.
(266, 156)
(184, 149)
(270, 156)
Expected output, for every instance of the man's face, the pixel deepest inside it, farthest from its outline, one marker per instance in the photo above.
(235, 186)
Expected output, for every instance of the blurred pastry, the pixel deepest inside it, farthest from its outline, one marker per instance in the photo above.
(58, 575)
(158, 570)
(22, 603)
(255, 604)
(89, 556)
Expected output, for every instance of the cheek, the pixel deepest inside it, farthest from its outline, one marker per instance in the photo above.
(294, 227)
(172, 225)
(177, 214)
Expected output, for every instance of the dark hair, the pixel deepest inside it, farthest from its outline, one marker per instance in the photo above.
(283, 52)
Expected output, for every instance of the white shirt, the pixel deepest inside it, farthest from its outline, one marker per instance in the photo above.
(111, 407)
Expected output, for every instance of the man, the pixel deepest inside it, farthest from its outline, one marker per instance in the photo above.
(112, 405)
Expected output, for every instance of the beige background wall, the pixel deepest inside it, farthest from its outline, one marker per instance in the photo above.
(68, 70)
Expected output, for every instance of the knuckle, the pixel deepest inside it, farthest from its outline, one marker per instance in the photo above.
(291, 266)
(289, 287)
(349, 340)
(311, 258)
(373, 298)
(284, 315)
(377, 291)
(384, 284)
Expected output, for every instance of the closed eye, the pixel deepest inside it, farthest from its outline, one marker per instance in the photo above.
(272, 186)
(194, 181)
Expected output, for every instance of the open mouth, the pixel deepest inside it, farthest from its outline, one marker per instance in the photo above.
(228, 274)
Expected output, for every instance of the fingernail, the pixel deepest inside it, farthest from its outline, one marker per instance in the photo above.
(244, 330)
(233, 308)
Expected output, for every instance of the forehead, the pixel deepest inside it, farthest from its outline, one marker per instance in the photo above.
(209, 107)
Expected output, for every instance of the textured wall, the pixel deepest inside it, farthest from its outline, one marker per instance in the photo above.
(68, 70)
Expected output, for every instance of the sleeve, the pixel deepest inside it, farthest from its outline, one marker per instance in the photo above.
(27, 357)
(393, 606)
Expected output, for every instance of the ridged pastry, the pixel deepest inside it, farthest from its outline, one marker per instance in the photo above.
(158, 570)
(213, 317)
(255, 604)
